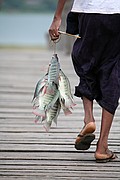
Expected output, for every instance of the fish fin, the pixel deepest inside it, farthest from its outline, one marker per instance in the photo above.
(38, 112)
(69, 102)
(47, 126)
(67, 111)
(37, 118)
(55, 120)
(43, 119)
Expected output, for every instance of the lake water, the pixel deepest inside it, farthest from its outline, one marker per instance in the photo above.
(24, 29)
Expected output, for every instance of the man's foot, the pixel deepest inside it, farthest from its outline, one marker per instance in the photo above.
(84, 139)
(88, 128)
(103, 158)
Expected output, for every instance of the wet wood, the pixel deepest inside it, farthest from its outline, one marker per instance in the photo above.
(27, 152)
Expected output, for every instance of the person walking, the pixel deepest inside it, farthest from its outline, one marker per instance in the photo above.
(96, 60)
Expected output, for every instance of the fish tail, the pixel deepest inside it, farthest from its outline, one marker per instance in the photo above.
(43, 118)
(37, 119)
(69, 102)
(67, 112)
(55, 121)
(47, 126)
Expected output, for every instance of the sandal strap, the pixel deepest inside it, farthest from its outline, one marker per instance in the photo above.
(80, 135)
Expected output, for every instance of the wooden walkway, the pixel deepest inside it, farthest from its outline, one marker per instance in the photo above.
(27, 152)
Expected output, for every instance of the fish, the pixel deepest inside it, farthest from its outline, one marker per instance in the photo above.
(52, 115)
(46, 101)
(52, 93)
(65, 91)
(40, 84)
(53, 70)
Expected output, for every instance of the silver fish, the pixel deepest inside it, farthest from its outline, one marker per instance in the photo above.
(46, 100)
(53, 71)
(65, 90)
(52, 114)
(52, 93)
(41, 83)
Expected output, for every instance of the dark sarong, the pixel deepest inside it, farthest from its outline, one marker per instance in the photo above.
(96, 59)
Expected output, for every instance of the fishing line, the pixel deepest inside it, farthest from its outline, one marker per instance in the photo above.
(54, 47)
(53, 44)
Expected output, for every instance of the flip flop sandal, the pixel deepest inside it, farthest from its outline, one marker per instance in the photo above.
(111, 158)
(85, 141)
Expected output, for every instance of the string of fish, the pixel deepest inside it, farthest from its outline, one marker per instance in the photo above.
(52, 93)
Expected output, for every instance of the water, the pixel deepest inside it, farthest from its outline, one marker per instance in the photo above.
(24, 29)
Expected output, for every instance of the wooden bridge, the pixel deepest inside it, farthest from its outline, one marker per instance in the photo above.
(27, 152)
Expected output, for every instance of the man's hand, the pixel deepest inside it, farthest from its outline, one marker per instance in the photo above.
(53, 31)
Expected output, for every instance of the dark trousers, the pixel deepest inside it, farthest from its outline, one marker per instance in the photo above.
(96, 59)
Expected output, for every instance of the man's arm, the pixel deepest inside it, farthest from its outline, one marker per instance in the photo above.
(53, 31)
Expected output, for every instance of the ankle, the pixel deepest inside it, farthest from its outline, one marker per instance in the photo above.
(89, 120)
(102, 147)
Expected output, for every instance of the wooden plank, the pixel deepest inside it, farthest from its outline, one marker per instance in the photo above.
(26, 150)
(53, 177)
(63, 173)
(68, 156)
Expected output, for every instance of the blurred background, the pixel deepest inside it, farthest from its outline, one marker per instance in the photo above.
(25, 23)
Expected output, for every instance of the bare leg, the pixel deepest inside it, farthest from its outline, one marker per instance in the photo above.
(102, 145)
(88, 109)
(84, 139)
(88, 117)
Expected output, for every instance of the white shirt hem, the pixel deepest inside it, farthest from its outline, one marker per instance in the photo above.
(95, 11)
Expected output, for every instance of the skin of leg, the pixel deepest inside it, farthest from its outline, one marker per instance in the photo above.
(88, 110)
(102, 145)
(88, 118)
